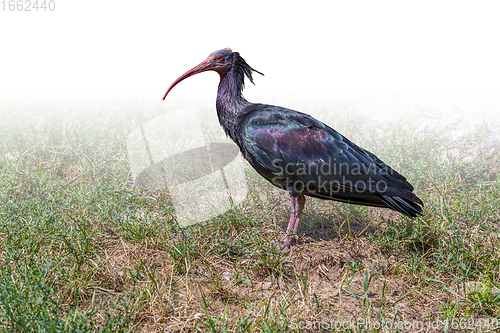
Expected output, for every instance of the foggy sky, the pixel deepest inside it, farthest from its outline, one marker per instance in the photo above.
(131, 47)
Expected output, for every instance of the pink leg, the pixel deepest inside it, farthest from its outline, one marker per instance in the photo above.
(298, 203)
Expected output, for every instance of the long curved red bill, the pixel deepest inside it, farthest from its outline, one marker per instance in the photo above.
(202, 67)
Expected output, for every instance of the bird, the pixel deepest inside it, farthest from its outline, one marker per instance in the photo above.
(298, 153)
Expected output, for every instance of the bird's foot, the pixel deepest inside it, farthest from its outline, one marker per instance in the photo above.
(287, 241)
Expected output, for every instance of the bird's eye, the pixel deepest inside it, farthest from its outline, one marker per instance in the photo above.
(220, 58)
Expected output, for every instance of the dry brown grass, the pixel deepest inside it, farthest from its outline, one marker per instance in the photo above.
(81, 248)
(314, 282)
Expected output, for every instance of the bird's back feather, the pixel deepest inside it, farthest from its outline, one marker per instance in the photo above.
(295, 151)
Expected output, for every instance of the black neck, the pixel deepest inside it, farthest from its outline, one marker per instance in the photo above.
(230, 102)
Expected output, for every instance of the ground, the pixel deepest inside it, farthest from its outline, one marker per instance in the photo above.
(82, 248)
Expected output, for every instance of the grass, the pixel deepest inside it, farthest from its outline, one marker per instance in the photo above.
(81, 249)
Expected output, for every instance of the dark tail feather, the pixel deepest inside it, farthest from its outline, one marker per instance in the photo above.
(404, 206)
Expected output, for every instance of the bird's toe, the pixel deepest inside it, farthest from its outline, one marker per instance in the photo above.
(287, 241)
